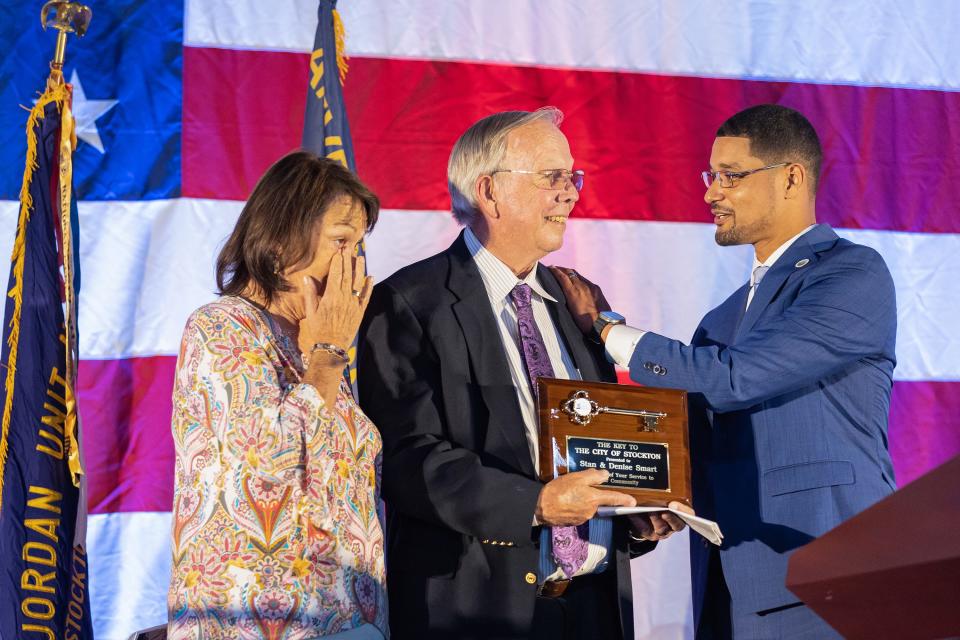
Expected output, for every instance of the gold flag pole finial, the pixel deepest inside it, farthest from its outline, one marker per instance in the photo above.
(65, 17)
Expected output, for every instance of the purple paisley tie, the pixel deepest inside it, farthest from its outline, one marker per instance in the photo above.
(569, 543)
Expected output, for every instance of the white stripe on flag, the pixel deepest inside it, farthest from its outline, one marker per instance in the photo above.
(825, 42)
(666, 573)
(146, 265)
(129, 557)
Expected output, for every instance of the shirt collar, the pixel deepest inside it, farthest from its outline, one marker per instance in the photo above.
(498, 278)
(773, 257)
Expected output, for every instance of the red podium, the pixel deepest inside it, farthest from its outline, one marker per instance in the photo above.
(892, 571)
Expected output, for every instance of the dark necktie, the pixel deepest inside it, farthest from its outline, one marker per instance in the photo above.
(570, 544)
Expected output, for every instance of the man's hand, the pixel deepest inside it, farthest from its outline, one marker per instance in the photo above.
(659, 525)
(584, 299)
(572, 499)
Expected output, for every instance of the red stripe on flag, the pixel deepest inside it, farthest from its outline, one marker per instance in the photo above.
(642, 138)
(125, 410)
(242, 110)
(923, 429)
(125, 407)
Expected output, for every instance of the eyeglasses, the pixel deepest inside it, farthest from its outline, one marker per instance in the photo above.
(551, 178)
(729, 179)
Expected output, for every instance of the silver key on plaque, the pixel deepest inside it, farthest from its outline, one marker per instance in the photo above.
(581, 409)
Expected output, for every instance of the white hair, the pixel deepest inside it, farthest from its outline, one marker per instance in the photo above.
(479, 152)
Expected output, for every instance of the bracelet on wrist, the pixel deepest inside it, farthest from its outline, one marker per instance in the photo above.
(332, 349)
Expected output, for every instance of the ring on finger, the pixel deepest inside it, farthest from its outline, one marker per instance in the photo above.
(355, 293)
(571, 273)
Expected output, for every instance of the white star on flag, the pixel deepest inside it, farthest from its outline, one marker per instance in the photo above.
(86, 112)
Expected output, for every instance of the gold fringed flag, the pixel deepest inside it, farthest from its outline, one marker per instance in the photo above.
(43, 564)
(326, 131)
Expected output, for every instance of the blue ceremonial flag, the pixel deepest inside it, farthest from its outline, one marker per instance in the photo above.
(325, 128)
(43, 564)
(326, 131)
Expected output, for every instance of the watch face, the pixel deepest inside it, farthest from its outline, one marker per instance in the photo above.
(611, 316)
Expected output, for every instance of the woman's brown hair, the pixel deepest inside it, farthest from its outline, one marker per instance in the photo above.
(282, 213)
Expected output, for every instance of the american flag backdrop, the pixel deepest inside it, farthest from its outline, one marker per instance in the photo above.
(181, 107)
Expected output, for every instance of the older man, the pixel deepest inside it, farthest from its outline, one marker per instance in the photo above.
(792, 375)
(450, 349)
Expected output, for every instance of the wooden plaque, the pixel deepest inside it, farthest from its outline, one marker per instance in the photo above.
(638, 434)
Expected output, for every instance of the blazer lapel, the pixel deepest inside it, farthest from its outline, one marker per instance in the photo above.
(802, 253)
(484, 344)
(572, 336)
(735, 308)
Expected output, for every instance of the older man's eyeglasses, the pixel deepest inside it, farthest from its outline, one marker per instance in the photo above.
(555, 179)
(729, 179)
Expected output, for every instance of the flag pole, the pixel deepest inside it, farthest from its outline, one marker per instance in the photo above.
(65, 17)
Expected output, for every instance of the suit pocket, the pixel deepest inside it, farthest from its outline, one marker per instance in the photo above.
(809, 475)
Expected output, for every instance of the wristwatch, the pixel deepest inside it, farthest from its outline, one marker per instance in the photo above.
(604, 319)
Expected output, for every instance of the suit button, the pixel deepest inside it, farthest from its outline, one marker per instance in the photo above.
(659, 370)
(531, 578)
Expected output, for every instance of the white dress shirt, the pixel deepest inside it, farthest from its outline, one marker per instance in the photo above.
(622, 340)
(499, 280)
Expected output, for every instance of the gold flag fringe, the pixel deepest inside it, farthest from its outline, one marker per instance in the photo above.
(71, 429)
(340, 35)
(55, 93)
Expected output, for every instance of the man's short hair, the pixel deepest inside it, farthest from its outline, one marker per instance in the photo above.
(479, 152)
(777, 134)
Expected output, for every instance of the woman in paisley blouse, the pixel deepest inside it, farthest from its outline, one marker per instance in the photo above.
(278, 524)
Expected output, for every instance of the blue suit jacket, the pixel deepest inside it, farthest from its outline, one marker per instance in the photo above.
(789, 408)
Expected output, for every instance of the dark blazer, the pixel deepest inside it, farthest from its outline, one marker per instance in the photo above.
(791, 435)
(458, 480)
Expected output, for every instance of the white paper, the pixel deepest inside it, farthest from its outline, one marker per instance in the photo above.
(707, 528)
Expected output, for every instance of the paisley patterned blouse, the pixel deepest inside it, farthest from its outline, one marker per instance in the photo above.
(278, 523)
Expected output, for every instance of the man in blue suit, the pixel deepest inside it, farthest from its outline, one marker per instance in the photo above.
(790, 377)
